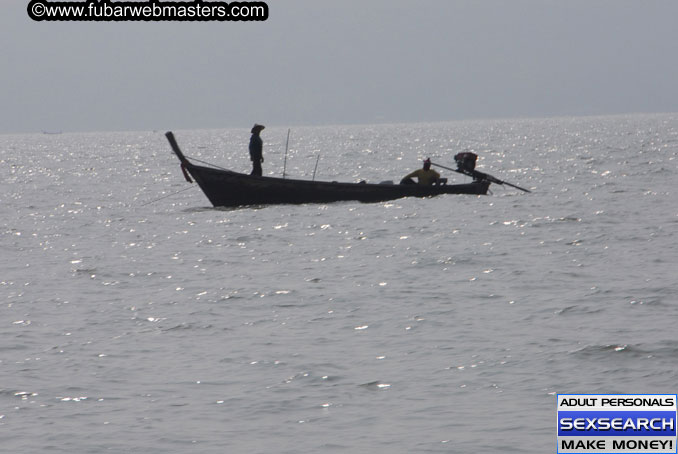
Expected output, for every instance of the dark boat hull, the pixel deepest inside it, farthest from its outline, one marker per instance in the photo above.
(227, 189)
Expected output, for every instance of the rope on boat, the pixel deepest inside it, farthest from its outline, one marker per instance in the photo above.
(165, 196)
(206, 163)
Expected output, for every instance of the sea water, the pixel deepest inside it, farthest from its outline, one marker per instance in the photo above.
(136, 318)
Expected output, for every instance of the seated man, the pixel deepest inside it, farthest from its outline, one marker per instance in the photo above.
(425, 176)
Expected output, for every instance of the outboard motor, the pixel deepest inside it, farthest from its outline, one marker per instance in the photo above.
(466, 161)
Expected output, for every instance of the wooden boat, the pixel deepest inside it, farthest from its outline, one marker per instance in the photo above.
(225, 188)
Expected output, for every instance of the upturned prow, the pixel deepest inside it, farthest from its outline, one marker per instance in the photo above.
(185, 165)
(175, 147)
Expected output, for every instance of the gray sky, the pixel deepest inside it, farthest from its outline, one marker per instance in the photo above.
(344, 61)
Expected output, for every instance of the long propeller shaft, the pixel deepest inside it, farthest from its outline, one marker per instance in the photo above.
(481, 175)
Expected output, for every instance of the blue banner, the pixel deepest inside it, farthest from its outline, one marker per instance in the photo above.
(617, 423)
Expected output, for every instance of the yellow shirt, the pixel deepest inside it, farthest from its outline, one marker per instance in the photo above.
(424, 177)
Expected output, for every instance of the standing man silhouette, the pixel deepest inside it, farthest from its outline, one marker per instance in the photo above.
(256, 150)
